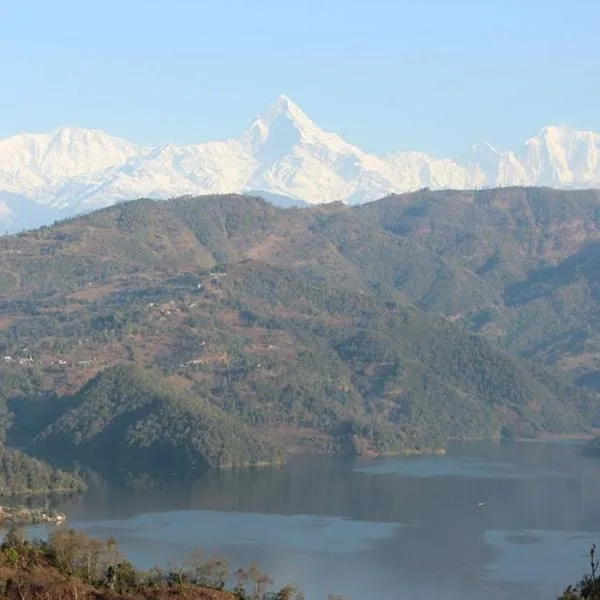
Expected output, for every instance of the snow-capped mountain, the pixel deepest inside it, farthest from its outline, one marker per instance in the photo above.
(283, 153)
(32, 163)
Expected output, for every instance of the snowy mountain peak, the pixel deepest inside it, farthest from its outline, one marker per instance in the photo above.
(562, 134)
(282, 152)
(281, 127)
(79, 133)
(66, 132)
(283, 106)
(286, 109)
(554, 131)
(549, 135)
(34, 164)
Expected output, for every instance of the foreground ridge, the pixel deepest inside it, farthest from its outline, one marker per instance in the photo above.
(70, 565)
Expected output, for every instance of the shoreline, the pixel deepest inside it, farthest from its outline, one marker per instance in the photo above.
(42, 492)
(407, 452)
(561, 437)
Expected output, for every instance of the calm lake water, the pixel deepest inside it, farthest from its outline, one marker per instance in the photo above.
(485, 521)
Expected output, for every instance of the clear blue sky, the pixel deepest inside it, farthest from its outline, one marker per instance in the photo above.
(396, 74)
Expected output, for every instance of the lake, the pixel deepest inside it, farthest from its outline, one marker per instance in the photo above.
(493, 521)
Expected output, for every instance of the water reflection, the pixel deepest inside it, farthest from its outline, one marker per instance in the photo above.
(493, 521)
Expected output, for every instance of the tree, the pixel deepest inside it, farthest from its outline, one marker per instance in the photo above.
(75, 553)
(260, 580)
(214, 573)
(288, 592)
(589, 586)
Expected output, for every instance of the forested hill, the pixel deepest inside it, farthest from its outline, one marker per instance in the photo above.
(535, 253)
(305, 327)
(128, 418)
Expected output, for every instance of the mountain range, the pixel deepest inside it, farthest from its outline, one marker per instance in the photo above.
(44, 177)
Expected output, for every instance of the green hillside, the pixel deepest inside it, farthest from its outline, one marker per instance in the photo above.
(313, 328)
(22, 474)
(127, 417)
(534, 252)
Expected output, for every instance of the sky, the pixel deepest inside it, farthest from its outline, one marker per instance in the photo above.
(387, 75)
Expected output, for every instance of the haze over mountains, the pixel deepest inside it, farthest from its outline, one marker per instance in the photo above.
(282, 152)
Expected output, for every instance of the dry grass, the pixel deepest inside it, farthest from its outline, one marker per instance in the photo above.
(43, 582)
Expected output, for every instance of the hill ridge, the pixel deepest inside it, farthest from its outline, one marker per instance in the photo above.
(331, 328)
